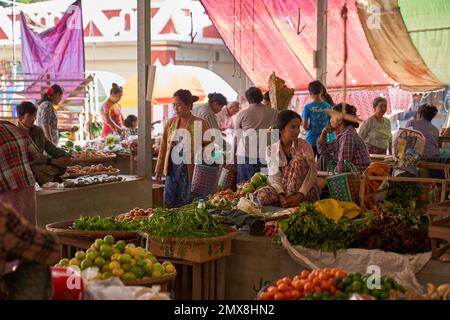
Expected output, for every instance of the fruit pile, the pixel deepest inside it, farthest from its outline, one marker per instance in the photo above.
(357, 283)
(134, 214)
(258, 181)
(316, 285)
(125, 261)
(225, 198)
(330, 284)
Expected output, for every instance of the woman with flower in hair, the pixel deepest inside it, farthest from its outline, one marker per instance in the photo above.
(46, 115)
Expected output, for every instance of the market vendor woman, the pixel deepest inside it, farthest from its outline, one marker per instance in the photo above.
(177, 189)
(292, 169)
(51, 165)
(113, 122)
(46, 115)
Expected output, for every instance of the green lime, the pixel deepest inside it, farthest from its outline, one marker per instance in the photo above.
(384, 295)
(105, 247)
(129, 276)
(317, 296)
(109, 239)
(325, 295)
(137, 271)
(64, 262)
(106, 275)
(357, 286)
(120, 245)
(92, 255)
(98, 243)
(99, 262)
(126, 267)
(80, 255)
(86, 263)
(106, 254)
(105, 267)
(376, 293)
(124, 258)
(147, 270)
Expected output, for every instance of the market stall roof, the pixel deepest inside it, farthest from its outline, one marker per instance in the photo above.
(263, 37)
(428, 25)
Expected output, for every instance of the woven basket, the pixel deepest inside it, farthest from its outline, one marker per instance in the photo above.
(151, 282)
(63, 229)
(194, 250)
(345, 186)
(204, 179)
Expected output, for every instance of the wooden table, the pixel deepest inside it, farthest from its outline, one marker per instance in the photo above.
(439, 228)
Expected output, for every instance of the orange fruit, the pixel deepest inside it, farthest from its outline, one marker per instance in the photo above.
(296, 295)
(283, 287)
(279, 296)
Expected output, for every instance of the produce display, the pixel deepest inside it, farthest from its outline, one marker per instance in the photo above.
(394, 228)
(403, 193)
(70, 147)
(90, 154)
(258, 181)
(186, 222)
(308, 227)
(223, 199)
(91, 170)
(329, 284)
(136, 213)
(90, 180)
(97, 223)
(433, 292)
(117, 259)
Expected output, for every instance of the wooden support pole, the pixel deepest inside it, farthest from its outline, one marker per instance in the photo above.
(145, 152)
(321, 46)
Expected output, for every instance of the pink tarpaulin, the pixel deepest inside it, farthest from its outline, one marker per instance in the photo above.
(262, 36)
(57, 53)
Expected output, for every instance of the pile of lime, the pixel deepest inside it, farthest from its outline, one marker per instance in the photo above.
(118, 259)
(368, 285)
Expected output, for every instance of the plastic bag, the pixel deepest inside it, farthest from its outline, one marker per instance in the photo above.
(335, 209)
(248, 206)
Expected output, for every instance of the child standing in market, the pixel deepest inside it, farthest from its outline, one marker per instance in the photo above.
(315, 119)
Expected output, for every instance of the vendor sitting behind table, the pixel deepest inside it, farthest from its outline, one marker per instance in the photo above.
(292, 169)
(348, 145)
(53, 163)
(131, 123)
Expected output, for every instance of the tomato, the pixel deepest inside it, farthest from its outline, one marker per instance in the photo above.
(279, 282)
(304, 274)
(296, 278)
(287, 295)
(323, 276)
(327, 270)
(317, 289)
(279, 296)
(308, 287)
(295, 294)
(325, 285)
(283, 287)
(311, 277)
(266, 296)
(296, 285)
(287, 280)
(316, 281)
(272, 289)
(332, 289)
(340, 274)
